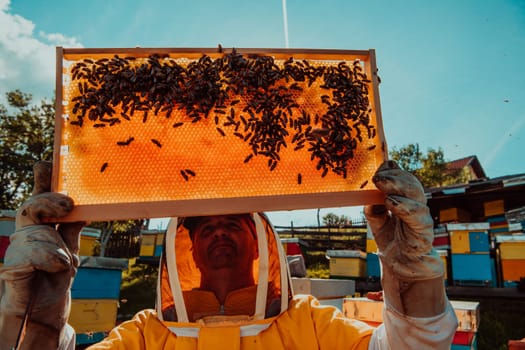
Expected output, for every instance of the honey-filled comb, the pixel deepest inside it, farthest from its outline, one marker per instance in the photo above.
(159, 132)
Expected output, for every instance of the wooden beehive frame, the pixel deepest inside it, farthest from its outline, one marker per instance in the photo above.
(347, 192)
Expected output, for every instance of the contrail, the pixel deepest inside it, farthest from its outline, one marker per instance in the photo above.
(513, 130)
(285, 20)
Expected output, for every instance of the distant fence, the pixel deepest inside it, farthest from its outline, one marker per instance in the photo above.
(322, 238)
(124, 245)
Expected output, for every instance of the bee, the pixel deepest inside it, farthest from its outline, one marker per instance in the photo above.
(299, 178)
(157, 143)
(125, 143)
(364, 184)
(104, 166)
(221, 131)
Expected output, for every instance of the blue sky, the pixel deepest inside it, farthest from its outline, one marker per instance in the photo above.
(452, 71)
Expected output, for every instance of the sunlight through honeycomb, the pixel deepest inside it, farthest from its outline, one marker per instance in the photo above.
(282, 138)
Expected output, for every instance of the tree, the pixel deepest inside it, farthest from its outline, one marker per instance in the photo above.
(26, 136)
(430, 168)
(333, 220)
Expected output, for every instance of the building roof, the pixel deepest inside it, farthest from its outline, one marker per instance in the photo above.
(470, 161)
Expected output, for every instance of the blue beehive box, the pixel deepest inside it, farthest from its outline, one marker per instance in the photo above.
(373, 268)
(479, 242)
(472, 267)
(98, 278)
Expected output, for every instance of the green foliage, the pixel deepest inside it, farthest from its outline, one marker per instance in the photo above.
(317, 265)
(138, 288)
(501, 320)
(26, 136)
(430, 168)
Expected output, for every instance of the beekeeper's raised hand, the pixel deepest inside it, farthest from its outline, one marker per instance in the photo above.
(412, 272)
(39, 267)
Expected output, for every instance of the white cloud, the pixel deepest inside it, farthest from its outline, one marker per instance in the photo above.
(27, 61)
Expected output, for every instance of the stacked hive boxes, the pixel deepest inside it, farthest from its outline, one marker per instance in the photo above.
(151, 244)
(373, 268)
(327, 291)
(95, 293)
(467, 312)
(512, 259)
(471, 263)
(294, 246)
(441, 244)
(347, 263)
(7, 227)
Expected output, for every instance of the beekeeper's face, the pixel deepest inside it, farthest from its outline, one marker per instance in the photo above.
(224, 242)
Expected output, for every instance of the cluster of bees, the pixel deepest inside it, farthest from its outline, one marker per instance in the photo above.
(268, 117)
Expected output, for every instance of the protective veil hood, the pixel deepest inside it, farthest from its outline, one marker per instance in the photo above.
(180, 299)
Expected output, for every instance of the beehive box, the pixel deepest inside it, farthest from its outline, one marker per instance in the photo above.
(512, 255)
(98, 278)
(472, 346)
(443, 254)
(88, 241)
(148, 244)
(364, 309)
(441, 238)
(469, 237)
(371, 311)
(7, 228)
(294, 246)
(93, 315)
(173, 132)
(492, 208)
(473, 269)
(373, 265)
(468, 315)
(371, 245)
(347, 263)
(453, 214)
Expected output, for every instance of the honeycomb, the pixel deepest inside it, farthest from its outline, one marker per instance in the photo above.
(207, 132)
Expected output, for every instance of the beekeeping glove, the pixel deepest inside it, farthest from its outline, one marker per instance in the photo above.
(412, 272)
(39, 267)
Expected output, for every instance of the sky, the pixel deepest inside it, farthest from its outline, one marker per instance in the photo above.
(451, 71)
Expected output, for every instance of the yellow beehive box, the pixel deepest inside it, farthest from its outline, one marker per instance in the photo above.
(493, 208)
(463, 235)
(512, 250)
(443, 254)
(88, 241)
(161, 132)
(454, 215)
(371, 246)
(93, 315)
(148, 243)
(460, 242)
(347, 263)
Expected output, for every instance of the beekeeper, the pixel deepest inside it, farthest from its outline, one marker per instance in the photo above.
(223, 283)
